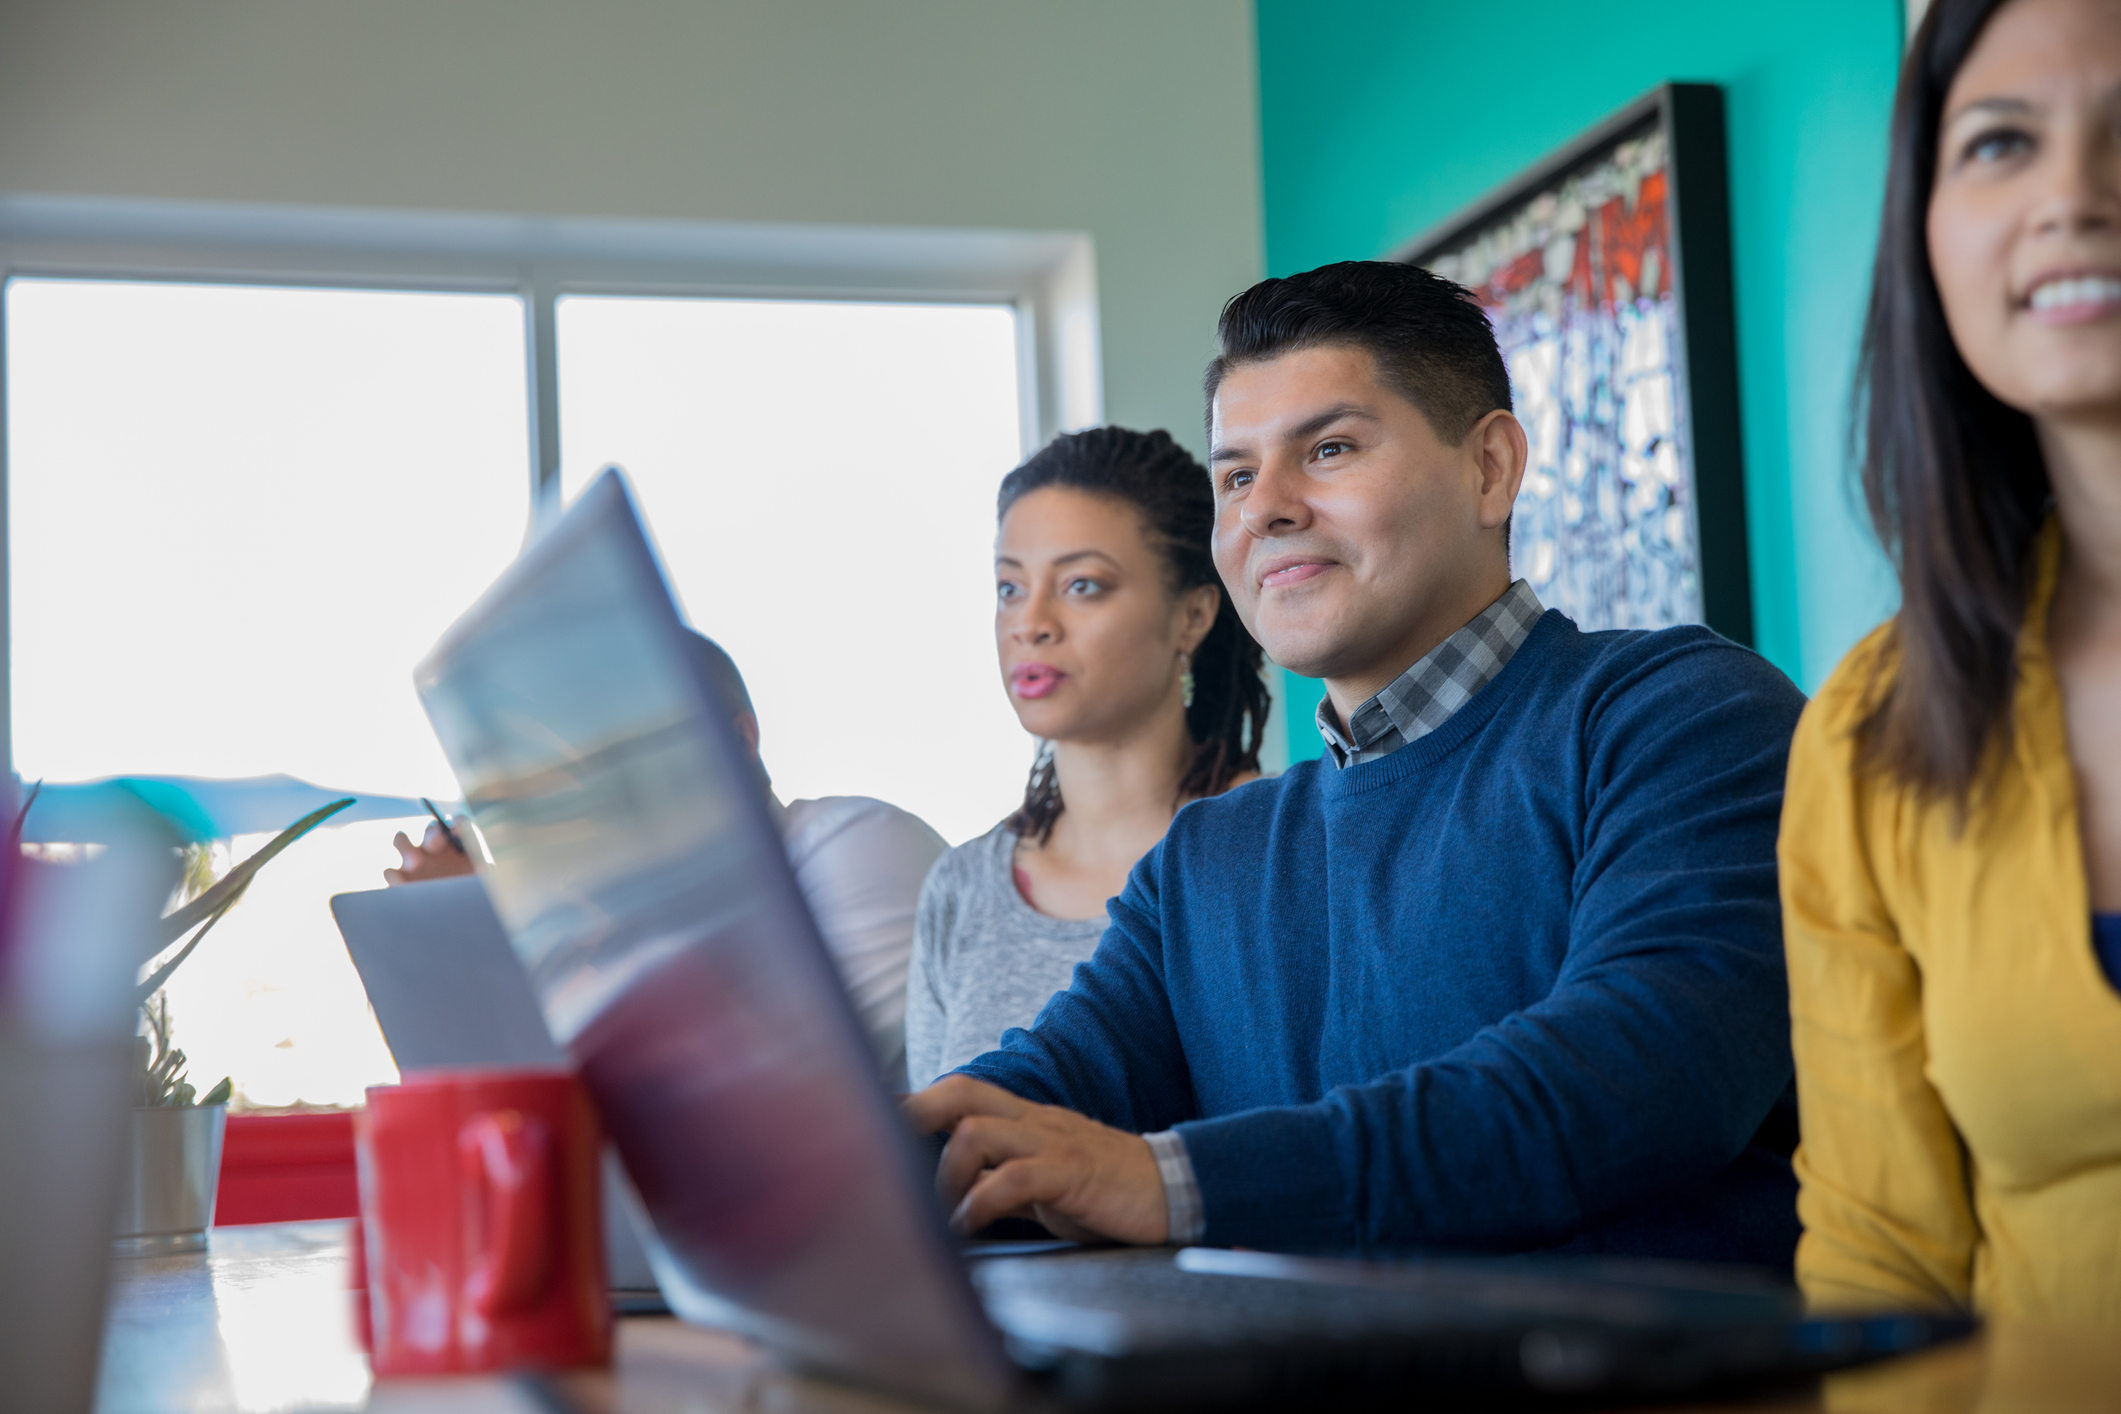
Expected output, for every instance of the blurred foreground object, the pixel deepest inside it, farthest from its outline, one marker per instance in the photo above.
(72, 940)
(481, 1222)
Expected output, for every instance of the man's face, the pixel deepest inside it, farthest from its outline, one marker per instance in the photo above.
(1353, 539)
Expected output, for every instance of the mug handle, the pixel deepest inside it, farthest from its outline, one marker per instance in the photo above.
(506, 1157)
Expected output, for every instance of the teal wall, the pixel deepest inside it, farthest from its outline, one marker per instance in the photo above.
(1379, 118)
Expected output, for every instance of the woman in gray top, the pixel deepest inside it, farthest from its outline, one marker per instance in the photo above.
(1121, 653)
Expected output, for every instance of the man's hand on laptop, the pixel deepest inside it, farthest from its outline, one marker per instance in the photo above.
(434, 857)
(1009, 1157)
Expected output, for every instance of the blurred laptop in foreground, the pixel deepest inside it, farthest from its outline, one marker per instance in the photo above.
(73, 938)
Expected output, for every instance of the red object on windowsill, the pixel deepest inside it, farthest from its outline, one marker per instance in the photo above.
(279, 1168)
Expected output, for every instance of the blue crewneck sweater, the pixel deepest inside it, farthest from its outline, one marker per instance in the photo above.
(1516, 986)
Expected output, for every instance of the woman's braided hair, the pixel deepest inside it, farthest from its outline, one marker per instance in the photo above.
(1159, 478)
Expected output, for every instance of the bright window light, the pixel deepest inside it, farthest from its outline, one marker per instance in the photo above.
(237, 517)
(820, 480)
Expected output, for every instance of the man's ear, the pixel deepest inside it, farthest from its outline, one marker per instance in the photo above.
(1500, 450)
(1197, 608)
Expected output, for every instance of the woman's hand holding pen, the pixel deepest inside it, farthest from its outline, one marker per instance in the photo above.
(434, 857)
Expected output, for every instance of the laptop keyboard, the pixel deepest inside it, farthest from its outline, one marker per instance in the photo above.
(1119, 1299)
(1139, 1328)
(1115, 1302)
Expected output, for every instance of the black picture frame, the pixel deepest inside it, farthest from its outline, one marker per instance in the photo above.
(1706, 359)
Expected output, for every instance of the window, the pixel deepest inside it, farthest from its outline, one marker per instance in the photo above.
(820, 478)
(237, 516)
(256, 460)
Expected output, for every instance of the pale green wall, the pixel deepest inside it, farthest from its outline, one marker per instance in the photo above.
(1380, 117)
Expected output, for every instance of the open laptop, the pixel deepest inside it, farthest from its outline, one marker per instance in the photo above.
(645, 890)
(448, 992)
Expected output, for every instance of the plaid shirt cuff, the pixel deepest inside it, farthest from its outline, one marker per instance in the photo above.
(1181, 1188)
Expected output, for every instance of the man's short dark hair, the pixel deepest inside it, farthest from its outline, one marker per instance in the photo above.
(1432, 343)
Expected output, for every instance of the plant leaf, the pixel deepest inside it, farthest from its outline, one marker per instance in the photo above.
(165, 1072)
(220, 1093)
(155, 979)
(217, 898)
(157, 1026)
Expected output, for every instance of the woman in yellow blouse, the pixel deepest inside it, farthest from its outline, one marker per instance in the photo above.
(1951, 838)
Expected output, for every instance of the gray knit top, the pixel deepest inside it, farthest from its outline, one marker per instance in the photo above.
(983, 959)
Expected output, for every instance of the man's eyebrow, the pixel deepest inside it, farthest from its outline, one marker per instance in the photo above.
(1309, 427)
(1320, 423)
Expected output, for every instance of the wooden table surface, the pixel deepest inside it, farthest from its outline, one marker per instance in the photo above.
(263, 1322)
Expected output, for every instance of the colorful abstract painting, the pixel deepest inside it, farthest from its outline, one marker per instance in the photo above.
(1578, 284)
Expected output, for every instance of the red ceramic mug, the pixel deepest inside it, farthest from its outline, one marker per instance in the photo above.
(481, 1224)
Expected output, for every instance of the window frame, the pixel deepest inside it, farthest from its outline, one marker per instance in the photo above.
(1048, 278)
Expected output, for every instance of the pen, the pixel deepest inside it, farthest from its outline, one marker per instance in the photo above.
(447, 833)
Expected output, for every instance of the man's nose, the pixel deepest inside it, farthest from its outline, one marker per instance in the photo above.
(1275, 504)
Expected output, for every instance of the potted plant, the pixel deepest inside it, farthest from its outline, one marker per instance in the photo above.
(166, 1200)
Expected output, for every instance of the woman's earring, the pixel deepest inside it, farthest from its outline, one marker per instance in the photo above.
(1185, 680)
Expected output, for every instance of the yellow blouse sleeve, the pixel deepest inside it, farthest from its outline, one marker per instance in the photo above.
(1884, 1196)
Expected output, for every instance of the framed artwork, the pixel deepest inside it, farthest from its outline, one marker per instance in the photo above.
(1606, 272)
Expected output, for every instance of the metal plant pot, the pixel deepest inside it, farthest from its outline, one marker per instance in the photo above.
(166, 1199)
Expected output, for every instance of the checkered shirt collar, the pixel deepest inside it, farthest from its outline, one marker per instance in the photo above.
(1422, 698)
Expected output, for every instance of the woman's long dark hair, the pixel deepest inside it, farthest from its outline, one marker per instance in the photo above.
(1156, 476)
(1953, 478)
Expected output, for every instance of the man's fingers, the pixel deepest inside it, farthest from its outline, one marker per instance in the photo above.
(434, 839)
(980, 1142)
(1074, 1174)
(407, 850)
(950, 1099)
(1063, 1226)
(1011, 1188)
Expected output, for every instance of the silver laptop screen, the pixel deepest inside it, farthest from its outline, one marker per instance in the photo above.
(643, 885)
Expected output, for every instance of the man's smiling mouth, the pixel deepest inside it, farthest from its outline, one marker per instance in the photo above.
(1283, 571)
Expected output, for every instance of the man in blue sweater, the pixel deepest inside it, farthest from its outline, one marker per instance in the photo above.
(1504, 970)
